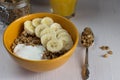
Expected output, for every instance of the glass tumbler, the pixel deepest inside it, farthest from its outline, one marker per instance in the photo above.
(64, 8)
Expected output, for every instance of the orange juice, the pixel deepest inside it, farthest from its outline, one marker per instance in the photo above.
(63, 7)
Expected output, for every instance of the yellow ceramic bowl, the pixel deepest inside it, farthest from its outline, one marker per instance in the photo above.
(15, 28)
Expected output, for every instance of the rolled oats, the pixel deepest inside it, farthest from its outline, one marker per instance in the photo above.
(27, 39)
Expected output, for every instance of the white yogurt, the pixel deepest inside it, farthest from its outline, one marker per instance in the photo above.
(29, 52)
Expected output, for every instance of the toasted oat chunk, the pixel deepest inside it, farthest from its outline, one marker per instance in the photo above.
(104, 47)
(27, 39)
(105, 55)
(110, 52)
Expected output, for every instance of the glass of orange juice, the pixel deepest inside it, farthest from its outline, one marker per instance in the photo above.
(64, 8)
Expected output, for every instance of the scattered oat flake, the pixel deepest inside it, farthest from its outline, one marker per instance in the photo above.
(110, 52)
(105, 55)
(104, 47)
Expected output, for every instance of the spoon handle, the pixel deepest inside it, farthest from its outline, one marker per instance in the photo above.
(86, 57)
(86, 70)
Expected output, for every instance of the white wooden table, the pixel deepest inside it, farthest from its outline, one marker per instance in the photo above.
(103, 16)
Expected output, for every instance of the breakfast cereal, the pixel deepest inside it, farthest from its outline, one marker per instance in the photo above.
(45, 33)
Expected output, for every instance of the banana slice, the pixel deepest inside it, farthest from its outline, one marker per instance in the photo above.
(54, 45)
(28, 27)
(55, 26)
(47, 20)
(36, 21)
(62, 34)
(47, 31)
(39, 29)
(60, 31)
(69, 45)
(45, 38)
(67, 42)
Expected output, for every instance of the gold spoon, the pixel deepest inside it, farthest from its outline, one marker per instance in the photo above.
(87, 39)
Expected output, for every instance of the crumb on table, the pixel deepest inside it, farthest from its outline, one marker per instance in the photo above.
(105, 55)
